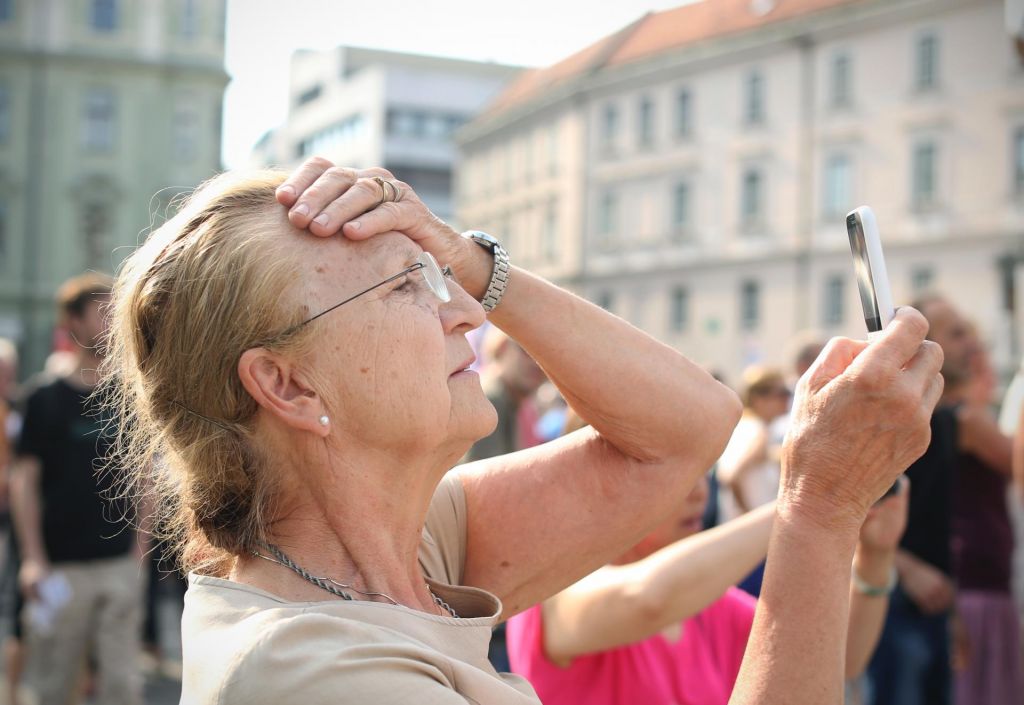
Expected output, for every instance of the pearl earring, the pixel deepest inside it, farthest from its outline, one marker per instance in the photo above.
(324, 420)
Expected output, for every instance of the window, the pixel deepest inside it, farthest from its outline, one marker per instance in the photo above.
(684, 113)
(506, 164)
(452, 123)
(750, 305)
(189, 19)
(1018, 160)
(98, 128)
(104, 15)
(926, 62)
(5, 113)
(332, 137)
(924, 188)
(679, 313)
(95, 225)
(752, 197)
(436, 127)
(835, 292)
(505, 228)
(529, 145)
(838, 187)
(754, 110)
(551, 232)
(6, 10)
(553, 149)
(609, 128)
(645, 123)
(607, 217)
(418, 124)
(309, 95)
(921, 279)
(680, 208)
(185, 133)
(839, 90)
(4, 254)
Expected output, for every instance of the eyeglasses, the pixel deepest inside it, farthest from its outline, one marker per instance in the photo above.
(435, 276)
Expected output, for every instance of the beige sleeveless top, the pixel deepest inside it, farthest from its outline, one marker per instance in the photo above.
(245, 646)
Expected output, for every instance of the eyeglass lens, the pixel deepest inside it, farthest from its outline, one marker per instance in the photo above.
(435, 279)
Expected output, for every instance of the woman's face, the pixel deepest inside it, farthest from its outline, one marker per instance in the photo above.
(394, 359)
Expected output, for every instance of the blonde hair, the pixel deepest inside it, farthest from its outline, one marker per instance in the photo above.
(212, 282)
(757, 380)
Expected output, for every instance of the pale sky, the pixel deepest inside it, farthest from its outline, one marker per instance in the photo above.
(262, 34)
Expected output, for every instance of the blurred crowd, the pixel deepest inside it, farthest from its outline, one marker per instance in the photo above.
(933, 616)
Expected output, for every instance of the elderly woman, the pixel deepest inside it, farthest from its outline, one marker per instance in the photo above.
(296, 358)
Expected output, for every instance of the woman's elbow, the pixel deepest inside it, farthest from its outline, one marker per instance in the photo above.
(722, 412)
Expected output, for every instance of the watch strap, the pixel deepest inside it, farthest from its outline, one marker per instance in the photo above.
(499, 274)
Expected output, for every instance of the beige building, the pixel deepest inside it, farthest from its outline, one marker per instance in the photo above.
(692, 171)
(108, 109)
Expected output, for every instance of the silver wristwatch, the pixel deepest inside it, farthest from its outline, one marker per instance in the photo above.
(499, 275)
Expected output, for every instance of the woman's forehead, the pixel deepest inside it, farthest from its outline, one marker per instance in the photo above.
(379, 254)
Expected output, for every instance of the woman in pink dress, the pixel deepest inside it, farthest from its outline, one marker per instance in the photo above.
(664, 626)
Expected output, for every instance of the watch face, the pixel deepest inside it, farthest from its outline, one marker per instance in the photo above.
(481, 237)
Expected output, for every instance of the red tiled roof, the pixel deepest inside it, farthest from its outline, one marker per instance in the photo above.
(655, 33)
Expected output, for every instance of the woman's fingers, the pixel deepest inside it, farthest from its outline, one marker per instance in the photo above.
(323, 197)
(359, 196)
(401, 216)
(301, 179)
(332, 185)
(897, 344)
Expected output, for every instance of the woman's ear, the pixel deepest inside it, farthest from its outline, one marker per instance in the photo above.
(278, 386)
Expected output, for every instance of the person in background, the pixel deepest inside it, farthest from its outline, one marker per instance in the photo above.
(510, 379)
(988, 627)
(662, 624)
(10, 425)
(9, 420)
(912, 663)
(748, 471)
(80, 557)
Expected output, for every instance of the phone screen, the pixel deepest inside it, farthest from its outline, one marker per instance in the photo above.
(862, 267)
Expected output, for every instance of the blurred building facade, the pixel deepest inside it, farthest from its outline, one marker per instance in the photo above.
(691, 172)
(367, 107)
(108, 109)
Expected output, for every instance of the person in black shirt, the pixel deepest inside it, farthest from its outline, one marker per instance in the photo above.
(912, 663)
(80, 569)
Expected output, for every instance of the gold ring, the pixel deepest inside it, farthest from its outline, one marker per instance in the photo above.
(398, 191)
(383, 191)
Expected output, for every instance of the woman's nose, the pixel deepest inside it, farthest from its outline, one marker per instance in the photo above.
(462, 311)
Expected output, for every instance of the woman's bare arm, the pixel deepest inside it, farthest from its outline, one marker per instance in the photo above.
(862, 417)
(541, 519)
(620, 605)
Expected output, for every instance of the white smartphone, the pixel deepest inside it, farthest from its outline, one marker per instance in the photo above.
(869, 266)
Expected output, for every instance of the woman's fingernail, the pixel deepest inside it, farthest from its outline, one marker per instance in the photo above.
(287, 189)
(301, 209)
(321, 219)
(355, 225)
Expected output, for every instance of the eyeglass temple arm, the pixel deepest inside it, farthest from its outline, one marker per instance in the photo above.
(404, 272)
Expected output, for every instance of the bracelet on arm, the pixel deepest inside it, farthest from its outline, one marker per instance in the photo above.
(499, 275)
(866, 588)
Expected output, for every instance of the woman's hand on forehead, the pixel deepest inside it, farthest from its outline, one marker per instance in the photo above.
(327, 199)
